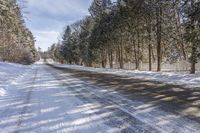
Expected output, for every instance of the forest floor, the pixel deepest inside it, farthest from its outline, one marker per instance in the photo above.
(51, 99)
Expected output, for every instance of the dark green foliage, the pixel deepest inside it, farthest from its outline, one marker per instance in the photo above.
(137, 32)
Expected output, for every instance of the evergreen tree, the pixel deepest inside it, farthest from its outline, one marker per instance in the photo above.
(136, 32)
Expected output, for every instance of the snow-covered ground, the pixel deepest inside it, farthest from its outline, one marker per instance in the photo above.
(9, 74)
(47, 102)
(41, 61)
(40, 99)
(190, 80)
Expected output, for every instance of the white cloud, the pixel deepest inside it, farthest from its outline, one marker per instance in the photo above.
(48, 17)
(45, 38)
(60, 7)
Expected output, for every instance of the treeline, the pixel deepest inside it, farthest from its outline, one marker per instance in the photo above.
(16, 41)
(136, 31)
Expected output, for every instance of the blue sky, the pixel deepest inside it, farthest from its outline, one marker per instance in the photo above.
(47, 18)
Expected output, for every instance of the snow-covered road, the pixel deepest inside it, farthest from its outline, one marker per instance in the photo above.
(49, 101)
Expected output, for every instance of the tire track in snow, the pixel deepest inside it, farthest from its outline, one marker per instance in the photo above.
(113, 120)
(26, 102)
(17, 78)
(163, 121)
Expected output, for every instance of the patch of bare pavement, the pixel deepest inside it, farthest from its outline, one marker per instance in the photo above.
(164, 107)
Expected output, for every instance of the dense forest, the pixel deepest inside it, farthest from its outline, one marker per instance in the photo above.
(136, 32)
(16, 41)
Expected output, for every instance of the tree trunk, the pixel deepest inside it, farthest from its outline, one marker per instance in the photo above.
(138, 48)
(193, 59)
(150, 46)
(104, 59)
(150, 61)
(121, 53)
(159, 29)
(110, 57)
(194, 47)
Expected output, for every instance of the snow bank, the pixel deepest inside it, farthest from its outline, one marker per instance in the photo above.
(50, 61)
(41, 61)
(9, 73)
(190, 80)
(9, 67)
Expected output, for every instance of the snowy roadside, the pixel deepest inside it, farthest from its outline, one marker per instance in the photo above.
(189, 80)
(9, 74)
(149, 114)
(48, 100)
(52, 103)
